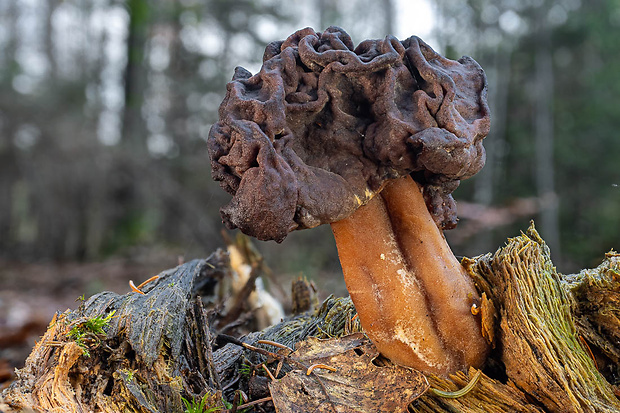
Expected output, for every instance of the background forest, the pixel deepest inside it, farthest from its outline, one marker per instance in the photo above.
(105, 106)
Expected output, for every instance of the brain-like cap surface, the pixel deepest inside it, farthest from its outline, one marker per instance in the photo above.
(323, 126)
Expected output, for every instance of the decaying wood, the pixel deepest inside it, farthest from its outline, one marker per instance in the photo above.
(303, 296)
(547, 367)
(596, 310)
(489, 396)
(545, 328)
(157, 347)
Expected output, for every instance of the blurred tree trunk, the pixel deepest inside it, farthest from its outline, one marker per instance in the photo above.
(49, 42)
(328, 13)
(8, 155)
(8, 177)
(177, 119)
(388, 8)
(133, 127)
(491, 175)
(543, 127)
(130, 182)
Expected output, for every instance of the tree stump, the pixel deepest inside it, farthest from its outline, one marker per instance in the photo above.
(156, 347)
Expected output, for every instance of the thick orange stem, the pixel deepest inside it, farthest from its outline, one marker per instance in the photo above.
(412, 296)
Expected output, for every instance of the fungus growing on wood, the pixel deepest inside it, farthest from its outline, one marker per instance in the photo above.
(373, 140)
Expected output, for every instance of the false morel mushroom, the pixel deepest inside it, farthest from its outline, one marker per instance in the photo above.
(373, 140)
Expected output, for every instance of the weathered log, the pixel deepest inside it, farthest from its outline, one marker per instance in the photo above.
(156, 348)
(596, 294)
(541, 348)
(544, 364)
(541, 361)
(159, 348)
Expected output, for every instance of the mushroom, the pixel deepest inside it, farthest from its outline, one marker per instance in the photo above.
(373, 140)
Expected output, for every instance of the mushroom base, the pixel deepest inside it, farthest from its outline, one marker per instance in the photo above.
(412, 296)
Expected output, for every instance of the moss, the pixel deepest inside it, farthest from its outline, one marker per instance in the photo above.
(87, 332)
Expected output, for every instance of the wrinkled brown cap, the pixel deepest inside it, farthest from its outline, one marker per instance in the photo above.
(323, 125)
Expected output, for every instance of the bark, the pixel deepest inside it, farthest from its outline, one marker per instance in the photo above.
(157, 348)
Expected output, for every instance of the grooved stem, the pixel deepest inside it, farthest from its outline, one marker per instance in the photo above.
(413, 297)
